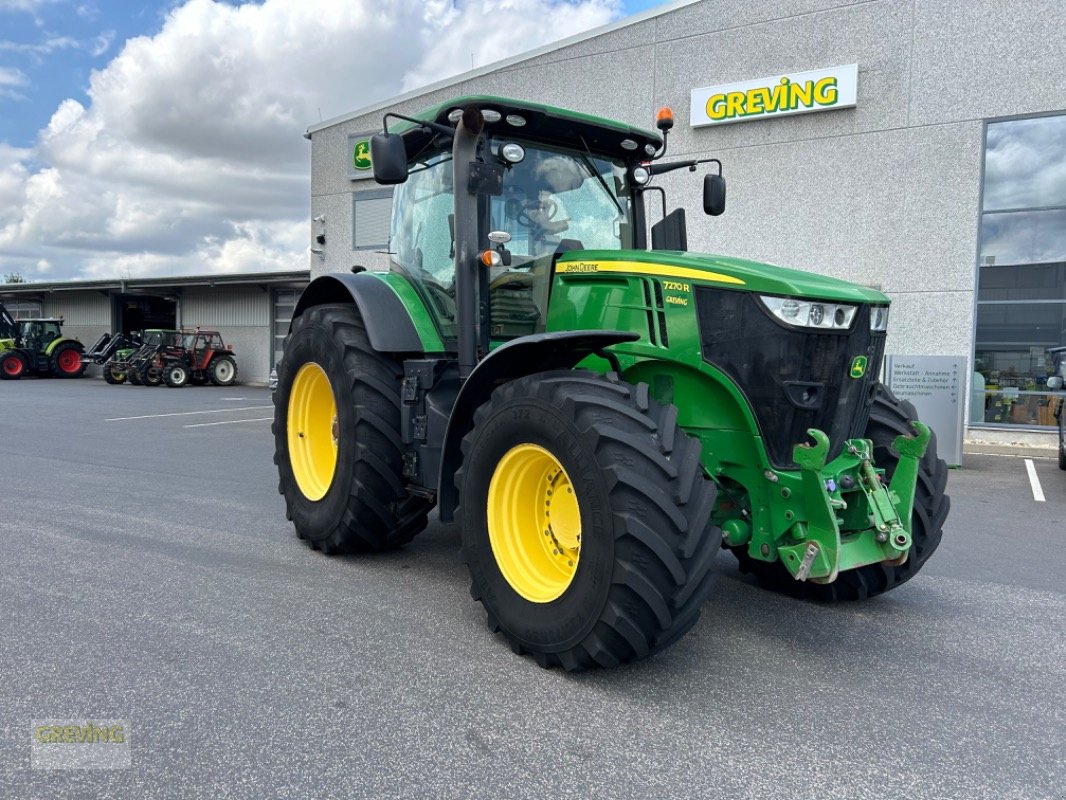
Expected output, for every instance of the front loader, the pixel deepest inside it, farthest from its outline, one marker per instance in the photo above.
(598, 409)
(37, 347)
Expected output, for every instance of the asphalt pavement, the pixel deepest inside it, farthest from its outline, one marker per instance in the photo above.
(148, 574)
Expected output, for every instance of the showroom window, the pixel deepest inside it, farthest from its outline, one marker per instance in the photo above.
(1021, 284)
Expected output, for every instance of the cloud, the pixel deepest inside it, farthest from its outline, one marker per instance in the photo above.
(190, 156)
(11, 80)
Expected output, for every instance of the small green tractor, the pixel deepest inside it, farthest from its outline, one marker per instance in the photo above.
(110, 349)
(37, 347)
(600, 410)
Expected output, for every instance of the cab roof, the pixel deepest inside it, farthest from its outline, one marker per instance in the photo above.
(543, 123)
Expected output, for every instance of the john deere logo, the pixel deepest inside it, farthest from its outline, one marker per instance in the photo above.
(858, 366)
(361, 156)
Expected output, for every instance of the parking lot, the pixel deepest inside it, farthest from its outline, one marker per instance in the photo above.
(148, 574)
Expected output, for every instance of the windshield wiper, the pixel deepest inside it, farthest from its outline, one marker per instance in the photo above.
(587, 161)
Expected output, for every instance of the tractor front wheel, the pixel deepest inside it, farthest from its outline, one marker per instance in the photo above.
(889, 417)
(176, 376)
(152, 376)
(337, 440)
(12, 366)
(66, 361)
(222, 371)
(585, 519)
(113, 375)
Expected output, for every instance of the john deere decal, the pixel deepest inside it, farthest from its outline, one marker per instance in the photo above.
(858, 366)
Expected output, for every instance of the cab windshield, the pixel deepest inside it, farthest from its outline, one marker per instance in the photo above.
(553, 200)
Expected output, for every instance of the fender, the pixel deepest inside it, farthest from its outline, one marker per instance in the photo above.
(387, 322)
(62, 340)
(518, 358)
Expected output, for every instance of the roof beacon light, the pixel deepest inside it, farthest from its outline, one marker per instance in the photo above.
(664, 118)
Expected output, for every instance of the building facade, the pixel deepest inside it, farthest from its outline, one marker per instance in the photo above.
(942, 181)
(251, 311)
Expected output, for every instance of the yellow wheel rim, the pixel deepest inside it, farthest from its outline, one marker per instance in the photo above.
(534, 523)
(313, 434)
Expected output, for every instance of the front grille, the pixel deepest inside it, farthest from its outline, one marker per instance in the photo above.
(793, 378)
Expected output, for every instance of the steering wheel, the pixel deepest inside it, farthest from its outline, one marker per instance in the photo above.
(545, 210)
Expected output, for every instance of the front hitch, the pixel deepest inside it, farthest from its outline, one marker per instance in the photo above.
(829, 541)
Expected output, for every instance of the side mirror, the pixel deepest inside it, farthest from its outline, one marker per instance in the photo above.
(388, 156)
(713, 194)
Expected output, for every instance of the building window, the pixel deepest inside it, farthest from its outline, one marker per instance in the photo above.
(371, 216)
(1021, 284)
(24, 309)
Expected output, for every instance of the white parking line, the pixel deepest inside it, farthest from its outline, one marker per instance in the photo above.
(190, 413)
(227, 422)
(1038, 492)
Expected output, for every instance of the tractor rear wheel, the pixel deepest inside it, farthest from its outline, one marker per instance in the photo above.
(337, 439)
(222, 371)
(176, 376)
(12, 366)
(585, 519)
(66, 361)
(889, 417)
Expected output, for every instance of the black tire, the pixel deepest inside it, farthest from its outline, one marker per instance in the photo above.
(152, 376)
(176, 375)
(12, 366)
(222, 371)
(647, 545)
(889, 417)
(110, 376)
(134, 377)
(67, 353)
(367, 507)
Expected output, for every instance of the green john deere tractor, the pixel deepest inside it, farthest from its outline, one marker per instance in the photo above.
(598, 409)
(37, 347)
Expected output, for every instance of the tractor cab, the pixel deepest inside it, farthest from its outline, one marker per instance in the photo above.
(547, 181)
(37, 334)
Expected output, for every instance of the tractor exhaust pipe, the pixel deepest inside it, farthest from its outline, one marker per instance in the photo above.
(467, 309)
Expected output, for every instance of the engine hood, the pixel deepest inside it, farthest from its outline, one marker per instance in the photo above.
(725, 271)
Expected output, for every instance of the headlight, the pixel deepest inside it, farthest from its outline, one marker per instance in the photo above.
(878, 318)
(811, 313)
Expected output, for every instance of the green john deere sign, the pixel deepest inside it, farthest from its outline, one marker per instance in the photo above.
(361, 155)
(858, 366)
(359, 163)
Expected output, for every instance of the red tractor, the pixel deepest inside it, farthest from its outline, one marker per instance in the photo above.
(204, 357)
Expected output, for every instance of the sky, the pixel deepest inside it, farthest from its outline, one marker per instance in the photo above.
(165, 138)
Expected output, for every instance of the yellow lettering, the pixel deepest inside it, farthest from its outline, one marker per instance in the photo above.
(757, 99)
(733, 104)
(715, 106)
(825, 92)
(800, 95)
(41, 734)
